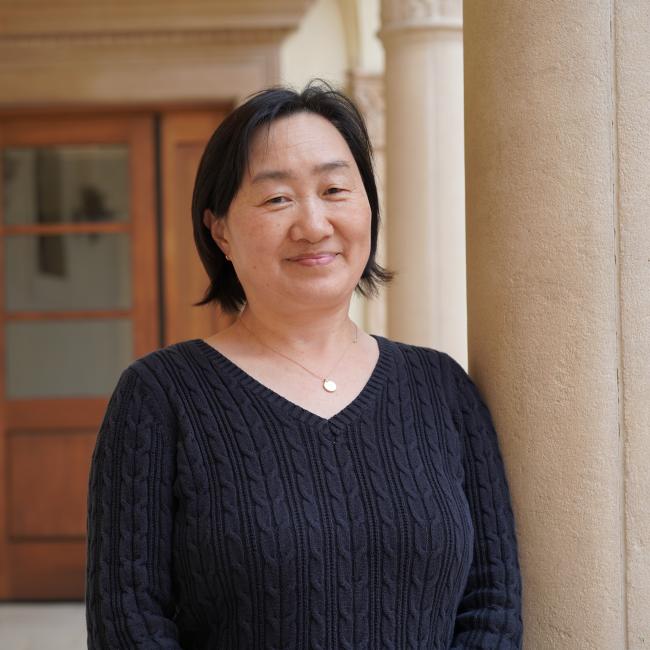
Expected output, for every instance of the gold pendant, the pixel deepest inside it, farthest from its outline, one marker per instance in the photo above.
(329, 385)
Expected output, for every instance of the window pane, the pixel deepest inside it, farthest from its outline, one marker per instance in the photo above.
(66, 184)
(63, 272)
(66, 358)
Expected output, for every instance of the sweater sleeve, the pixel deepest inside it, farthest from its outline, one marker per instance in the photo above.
(129, 601)
(489, 612)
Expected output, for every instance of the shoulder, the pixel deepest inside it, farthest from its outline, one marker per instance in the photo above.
(162, 361)
(153, 376)
(434, 367)
(424, 357)
(406, 351)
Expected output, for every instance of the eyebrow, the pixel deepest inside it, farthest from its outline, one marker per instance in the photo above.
(281, 174)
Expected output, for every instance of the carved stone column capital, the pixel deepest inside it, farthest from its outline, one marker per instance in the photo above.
(418, 14)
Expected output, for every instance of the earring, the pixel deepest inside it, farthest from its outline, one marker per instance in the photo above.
(227, 258)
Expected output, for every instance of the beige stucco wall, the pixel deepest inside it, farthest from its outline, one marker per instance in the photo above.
(334, 38)
(558, 303)
(371, 52)
(317, 48)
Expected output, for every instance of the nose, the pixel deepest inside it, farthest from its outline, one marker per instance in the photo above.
(312, 221)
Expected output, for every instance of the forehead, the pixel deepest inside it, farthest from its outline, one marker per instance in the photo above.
(296, 140)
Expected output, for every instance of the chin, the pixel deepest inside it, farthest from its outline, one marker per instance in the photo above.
(322, 296)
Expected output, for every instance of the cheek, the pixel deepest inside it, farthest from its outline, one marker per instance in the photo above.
(364, 226)
(257, 242)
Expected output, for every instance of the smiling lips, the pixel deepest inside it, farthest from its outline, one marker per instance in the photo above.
(314, 259)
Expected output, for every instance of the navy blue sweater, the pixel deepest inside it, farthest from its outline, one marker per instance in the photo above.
(223, 516)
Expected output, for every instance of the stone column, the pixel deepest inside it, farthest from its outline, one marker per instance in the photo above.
(558, 142)
(425, 186)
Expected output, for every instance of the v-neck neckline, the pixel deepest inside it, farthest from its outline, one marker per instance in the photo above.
(340, 420)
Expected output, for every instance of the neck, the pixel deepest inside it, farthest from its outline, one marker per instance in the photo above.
(316, 332)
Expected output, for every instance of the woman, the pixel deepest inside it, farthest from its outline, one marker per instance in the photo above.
(291, 481)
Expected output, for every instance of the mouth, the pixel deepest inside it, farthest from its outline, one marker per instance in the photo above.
(314, 259)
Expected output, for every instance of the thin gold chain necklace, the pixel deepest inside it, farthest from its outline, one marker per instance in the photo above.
(328, 384)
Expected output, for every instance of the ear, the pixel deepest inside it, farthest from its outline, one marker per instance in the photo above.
(208, 218)
(217, 228)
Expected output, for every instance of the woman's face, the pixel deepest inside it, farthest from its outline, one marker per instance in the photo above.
(298, 229)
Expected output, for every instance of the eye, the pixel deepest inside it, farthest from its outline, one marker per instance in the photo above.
(334, 190)
(276, 200)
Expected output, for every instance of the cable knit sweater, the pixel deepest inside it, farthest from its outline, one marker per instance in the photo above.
(222, 515)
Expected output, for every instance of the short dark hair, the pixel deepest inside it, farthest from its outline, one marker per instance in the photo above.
(226, 156)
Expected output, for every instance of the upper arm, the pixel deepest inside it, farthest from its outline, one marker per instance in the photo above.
(489, 613)
(129, 599)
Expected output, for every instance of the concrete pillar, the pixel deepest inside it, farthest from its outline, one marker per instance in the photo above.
(557, 163)
(425, 186)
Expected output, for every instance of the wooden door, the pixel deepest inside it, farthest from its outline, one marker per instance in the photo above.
(78, 301)
(80, 298)
(183, 136)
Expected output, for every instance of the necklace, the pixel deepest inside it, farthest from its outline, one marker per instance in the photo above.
(328, 384)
